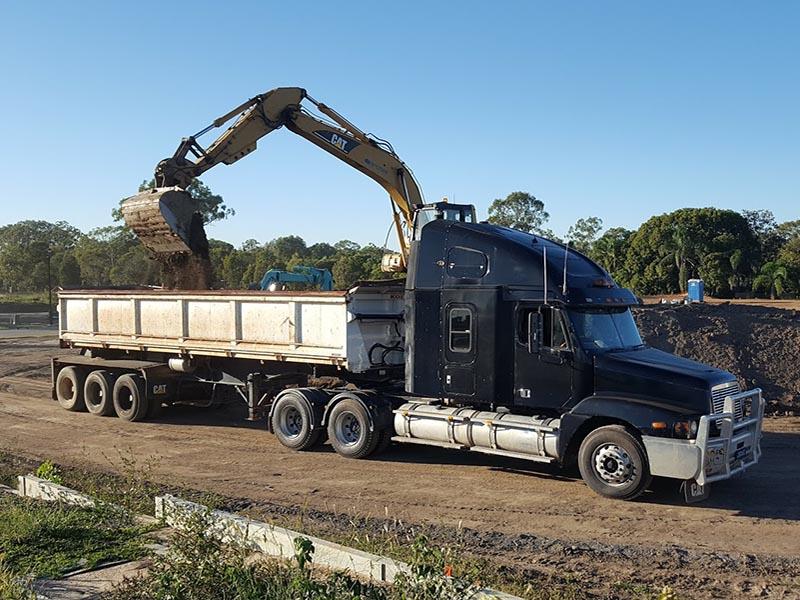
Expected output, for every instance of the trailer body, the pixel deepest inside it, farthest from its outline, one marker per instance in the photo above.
(325, 328)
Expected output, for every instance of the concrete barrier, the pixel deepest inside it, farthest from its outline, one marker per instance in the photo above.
(279, 542)
(31, 486)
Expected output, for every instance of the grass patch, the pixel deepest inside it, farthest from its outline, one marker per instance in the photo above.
(199, 566)
(46, 539)
(133, 487)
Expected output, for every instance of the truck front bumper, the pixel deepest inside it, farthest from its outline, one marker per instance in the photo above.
(734, 446)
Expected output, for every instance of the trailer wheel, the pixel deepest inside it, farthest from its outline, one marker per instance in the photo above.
(293, 424)
(613, 462)
(130, 401)
(69, 389)
(349, 429)
(97, 392)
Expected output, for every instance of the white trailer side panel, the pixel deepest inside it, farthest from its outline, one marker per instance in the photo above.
(336, 328)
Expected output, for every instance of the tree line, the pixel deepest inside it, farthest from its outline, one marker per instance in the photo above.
(745, 253)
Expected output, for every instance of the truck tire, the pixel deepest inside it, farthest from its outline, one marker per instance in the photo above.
(130, 400)
(69, 389)
(293, 423)
(97, 391)
(349, 429)
(613, 463)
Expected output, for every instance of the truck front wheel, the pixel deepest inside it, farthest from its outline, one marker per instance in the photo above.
(613, 462)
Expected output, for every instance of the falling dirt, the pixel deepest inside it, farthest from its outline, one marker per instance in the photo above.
(760, 345)
(182, 271)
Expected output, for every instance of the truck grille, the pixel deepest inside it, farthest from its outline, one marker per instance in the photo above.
(720, 392)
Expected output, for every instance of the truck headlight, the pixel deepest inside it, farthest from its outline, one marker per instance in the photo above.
(686, 429)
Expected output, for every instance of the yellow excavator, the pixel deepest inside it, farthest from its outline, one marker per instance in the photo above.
(166, 220)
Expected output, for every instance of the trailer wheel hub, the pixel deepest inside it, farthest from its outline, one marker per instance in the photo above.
(292, 422)
(613, 464)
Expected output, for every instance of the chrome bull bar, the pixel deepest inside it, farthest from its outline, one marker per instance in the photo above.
(734, 446)
(738, 444)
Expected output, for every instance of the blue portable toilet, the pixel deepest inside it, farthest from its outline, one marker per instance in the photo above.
(695, 290)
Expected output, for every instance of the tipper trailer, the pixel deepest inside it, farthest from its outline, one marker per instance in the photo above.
(498, 341)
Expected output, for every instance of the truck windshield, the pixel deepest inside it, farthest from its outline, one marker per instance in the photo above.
(605, 329)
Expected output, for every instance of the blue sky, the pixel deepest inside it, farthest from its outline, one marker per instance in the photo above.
(620, 110)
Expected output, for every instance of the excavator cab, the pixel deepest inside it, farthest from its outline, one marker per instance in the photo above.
(394, 262)
(464, 213)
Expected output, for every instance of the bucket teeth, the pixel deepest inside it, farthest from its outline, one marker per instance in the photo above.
(161, 218)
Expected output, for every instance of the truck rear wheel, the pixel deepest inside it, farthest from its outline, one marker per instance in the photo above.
(130, 401)
(293, 423)
(613, 462)
(97, 392)
(69, 389)
(350, 429)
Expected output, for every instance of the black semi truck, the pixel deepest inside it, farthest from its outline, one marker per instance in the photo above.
(499, 342)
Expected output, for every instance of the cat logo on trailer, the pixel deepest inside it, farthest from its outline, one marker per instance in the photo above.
(159, 389)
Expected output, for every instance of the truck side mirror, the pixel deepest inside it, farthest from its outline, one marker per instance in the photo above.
(535, 332)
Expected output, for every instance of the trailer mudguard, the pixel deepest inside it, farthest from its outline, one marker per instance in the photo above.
(315, 399)
(378, 408)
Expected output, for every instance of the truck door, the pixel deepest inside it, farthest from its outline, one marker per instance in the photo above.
(543, 362)
(459, 349)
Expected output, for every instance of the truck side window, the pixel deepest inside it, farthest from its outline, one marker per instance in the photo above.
(554, 334)
(558, 339)
(466, 263)
(460, 330)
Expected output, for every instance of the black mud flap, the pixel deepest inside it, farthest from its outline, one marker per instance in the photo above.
(694, 492)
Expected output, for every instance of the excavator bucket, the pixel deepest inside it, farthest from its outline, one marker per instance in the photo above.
(164, 220)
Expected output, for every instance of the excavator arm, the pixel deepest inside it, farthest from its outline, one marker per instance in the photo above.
(164, 218)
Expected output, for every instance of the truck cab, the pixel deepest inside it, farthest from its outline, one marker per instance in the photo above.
(512, 323)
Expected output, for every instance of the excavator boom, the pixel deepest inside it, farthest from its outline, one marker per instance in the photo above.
(164, 218)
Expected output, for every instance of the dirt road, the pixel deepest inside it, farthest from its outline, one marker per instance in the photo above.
(743, 542)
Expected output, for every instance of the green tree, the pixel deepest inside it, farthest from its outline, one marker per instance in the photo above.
(669, 249)
(346, 246)
(69, 272)
(519, 210)
(359, 265)
(610, 251)
(284, 248)
(584, 233)
(134, 267)
(101, 250)
(680, 248)
(25, 249)
(771, 279)
(211, 205)
(234, 267)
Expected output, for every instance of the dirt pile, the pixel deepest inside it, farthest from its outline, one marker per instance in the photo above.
(760, 345)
